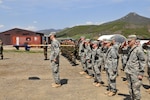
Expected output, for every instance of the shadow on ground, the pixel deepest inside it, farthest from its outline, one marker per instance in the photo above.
(127, 97)
(146, 86)
(64, 81)
(34, 78)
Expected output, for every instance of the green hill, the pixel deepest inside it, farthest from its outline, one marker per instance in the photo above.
(129, 24)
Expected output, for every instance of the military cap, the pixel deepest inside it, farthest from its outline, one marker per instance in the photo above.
(87, 40)
(131, 37)
(52, 33)
(137, 40)
(82, 37)
(95, 42)
(108, 40)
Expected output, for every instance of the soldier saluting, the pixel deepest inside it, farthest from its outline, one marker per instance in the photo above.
(54, 59)
(111, 66)
(134, 68)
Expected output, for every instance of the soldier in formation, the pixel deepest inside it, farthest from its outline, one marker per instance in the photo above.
(124, 53)
(88, 58)
(104, 50)
(1, 49)
(111, 66)
(96, 63)
(82, 54)
(134, 68)
(54, 59)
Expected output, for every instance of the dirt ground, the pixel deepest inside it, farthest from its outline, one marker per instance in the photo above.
(27, 76)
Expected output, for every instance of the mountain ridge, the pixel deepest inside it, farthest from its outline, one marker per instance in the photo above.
(132, 23)
(135, 18)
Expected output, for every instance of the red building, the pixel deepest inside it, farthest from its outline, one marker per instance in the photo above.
(18, 36)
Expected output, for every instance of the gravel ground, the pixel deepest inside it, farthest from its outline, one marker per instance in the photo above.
(27, 76)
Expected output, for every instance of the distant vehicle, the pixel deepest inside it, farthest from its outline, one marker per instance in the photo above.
(118, 38)
(143, 41)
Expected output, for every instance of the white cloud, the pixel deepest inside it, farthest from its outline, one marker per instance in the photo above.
(88, 23)
(31, 28)
(1, 26)
(93, 23)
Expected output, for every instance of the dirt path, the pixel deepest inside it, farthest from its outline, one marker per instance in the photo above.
(18, 67)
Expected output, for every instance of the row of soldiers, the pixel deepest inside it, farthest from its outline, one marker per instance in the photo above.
(97, 54)
(69, 50)
(93, 55)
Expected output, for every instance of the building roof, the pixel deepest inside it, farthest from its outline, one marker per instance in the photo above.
(22, 30)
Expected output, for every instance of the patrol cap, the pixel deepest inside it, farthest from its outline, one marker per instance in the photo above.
(108, 40)
(52, 33)
(82, 37)
(95, 42)
(132, 37)
(137, 40)
(87, 40)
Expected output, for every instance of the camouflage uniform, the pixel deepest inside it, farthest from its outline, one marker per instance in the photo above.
(104, 50)
(124, 57)
(54, 55)
(148, 62)
(116, 47)
(134, 68)
(96, 63)
(82, 55)
(88, 57)
(111, 66)
(1, 49)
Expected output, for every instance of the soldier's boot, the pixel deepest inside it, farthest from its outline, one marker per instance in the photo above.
(98, 85)
(88, 77)
(54, 85)
(107, 92)
(95, 83)
(82, 73)
(111, 94)
(104, 72)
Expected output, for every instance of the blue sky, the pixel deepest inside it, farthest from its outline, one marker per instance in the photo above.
(58, 14)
